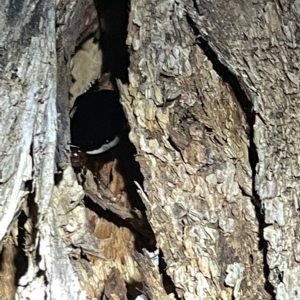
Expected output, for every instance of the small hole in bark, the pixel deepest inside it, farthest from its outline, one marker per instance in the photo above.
(134, 290)
(168, 283)
(251, 258)
(58, 177)
(21, 260)
(208, 129)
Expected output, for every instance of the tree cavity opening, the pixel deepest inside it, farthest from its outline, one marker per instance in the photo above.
(101, 152)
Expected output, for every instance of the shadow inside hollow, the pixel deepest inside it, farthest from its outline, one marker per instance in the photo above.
(113, 20)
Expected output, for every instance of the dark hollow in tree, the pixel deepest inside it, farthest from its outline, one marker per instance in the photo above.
(97, 121)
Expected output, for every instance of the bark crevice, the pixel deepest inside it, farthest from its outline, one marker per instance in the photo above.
(112, 175)
(21, 260)
(239, 93)
(247, 107)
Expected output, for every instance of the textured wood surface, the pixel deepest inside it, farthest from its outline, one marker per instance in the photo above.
(259, 42)
(192, 139)
(28, 125)
(224, 232)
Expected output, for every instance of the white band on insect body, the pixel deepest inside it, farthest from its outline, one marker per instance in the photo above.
(105, 147)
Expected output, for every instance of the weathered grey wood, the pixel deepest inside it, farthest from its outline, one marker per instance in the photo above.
(28, 113)
(28, 126)
(259, 43)
(70, 20)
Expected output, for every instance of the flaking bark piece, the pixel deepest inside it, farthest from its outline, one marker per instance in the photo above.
(91, 190)
(152, 278)
(115, 288)
(134, 217)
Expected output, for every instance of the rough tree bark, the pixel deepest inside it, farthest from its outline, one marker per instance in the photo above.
(211, 100)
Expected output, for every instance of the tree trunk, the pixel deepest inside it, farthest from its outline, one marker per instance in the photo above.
(200, 202)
